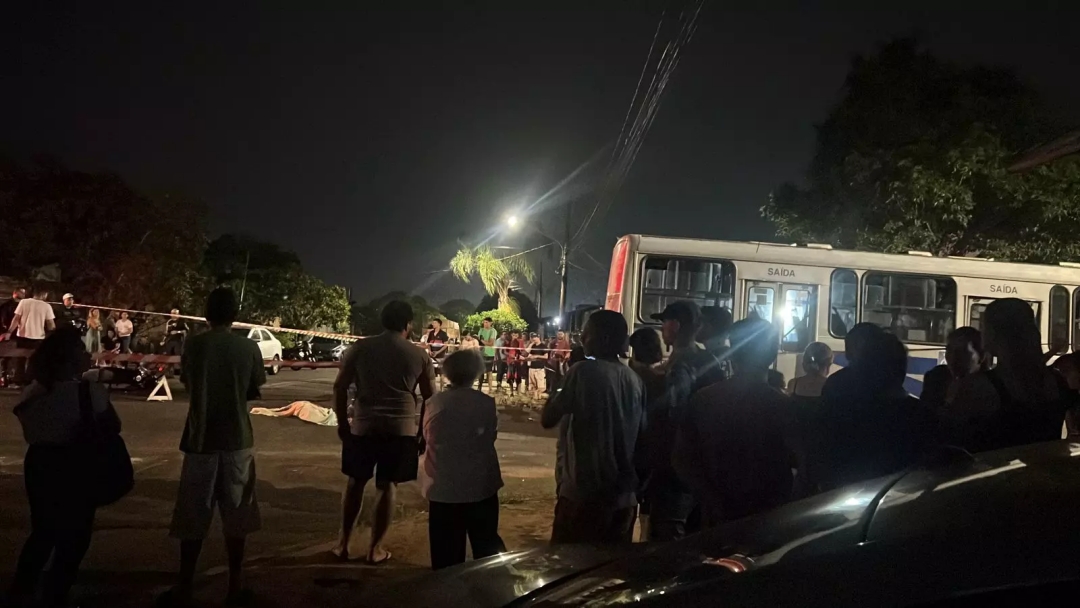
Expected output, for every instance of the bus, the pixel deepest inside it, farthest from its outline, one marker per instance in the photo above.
(814, 293)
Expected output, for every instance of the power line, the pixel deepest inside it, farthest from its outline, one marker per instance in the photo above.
(629, 143)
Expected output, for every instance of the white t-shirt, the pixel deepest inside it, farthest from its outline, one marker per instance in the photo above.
(34, 314)
(123, 327)
(460, 463)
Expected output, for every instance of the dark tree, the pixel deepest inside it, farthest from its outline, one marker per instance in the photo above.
(915, 156)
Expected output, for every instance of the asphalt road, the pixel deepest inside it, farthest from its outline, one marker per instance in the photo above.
(299, 492)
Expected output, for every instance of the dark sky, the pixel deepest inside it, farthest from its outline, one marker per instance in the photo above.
(370, 141)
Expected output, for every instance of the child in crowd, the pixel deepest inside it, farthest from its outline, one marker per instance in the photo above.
(460, 474)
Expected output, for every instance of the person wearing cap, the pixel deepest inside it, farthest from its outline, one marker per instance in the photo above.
(670, 500)
(70, 316)
(176, 331)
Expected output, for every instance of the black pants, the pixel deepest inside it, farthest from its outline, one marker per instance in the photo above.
(592, 523)
(449, 524)
(22, 366)
(61, 521)
(500, 371)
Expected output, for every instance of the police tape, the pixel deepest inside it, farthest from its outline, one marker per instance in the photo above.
(109, 357)
(288, 330)
(140, 358)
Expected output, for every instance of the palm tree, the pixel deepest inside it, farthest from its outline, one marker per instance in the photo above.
(498, 274)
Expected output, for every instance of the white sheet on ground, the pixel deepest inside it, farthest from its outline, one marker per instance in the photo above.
(304, 410)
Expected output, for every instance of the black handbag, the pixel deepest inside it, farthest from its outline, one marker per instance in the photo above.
(110, 475)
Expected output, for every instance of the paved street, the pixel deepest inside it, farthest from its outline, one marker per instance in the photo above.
(299, 491)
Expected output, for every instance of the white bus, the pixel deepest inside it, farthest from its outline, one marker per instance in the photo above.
(815, 293)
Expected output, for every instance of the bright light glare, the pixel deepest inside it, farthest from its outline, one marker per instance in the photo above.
(512, 221)
(557, 320)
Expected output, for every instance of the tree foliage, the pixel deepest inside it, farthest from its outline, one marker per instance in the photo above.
(498, 274)
(502, 320)
(915, 157)
(366, 319)
(526, 307)
(457, 310)
(117, 247)
(111, 243)
(274, 285)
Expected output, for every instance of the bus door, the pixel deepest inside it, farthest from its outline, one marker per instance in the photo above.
(792, 309)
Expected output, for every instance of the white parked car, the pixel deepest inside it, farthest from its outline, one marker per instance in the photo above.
(268, 344)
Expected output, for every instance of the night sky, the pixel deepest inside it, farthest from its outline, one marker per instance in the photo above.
(370, 142)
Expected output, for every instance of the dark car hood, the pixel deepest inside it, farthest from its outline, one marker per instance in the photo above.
(496, 581)
(573, 572)
(1032, 488)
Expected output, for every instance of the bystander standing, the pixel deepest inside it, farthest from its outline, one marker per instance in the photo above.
(124, 330)
(460, 476)
(57, 469)
(501, 365)
(488, 334)
(537, 358)
(92, 339)
(380, 440)
(33, 319)
(738, 442)
(222, 371)
(600, 414)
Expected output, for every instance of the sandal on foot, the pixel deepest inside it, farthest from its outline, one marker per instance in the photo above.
(385, 558)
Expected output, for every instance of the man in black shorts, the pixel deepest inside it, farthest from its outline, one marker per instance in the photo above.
(380, 440)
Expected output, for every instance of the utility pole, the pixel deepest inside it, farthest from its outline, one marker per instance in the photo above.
(243, 283)
(563, 262)
(540, 291)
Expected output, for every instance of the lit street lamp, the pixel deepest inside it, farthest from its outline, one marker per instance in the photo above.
(512, 221)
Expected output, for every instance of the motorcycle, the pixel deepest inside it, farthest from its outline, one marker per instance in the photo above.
(137, 377)
(301, 352)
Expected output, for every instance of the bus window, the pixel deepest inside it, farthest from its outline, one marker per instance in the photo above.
(977, 306)
(759, 302)
(665, 280)
(1059, 319)
(797, 318)
(914, 308)
(843, 302)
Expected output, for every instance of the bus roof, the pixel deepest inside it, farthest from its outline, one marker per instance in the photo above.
(825, 256)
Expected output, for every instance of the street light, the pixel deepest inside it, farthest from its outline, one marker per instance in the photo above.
(512, 221)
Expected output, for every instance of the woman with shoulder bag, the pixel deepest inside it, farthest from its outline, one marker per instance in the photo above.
(66, 423)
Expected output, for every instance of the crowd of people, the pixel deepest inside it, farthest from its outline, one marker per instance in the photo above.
(707, 435)
(28, 317)
(515, 362)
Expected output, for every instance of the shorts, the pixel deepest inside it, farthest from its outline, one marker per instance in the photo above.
(224, 479)
(387, 458)
(536, 378)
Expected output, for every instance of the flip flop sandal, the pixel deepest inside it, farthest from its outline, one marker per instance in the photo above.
(386, 558)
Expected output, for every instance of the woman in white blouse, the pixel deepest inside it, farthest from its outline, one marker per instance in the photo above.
(460, 473)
